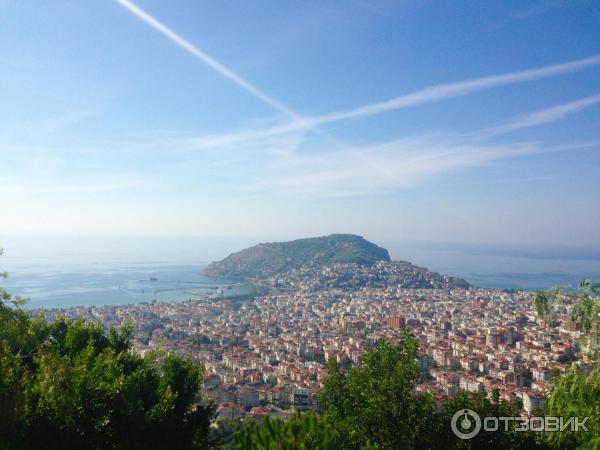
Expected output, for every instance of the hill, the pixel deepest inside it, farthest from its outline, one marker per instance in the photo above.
(269, 259)
(382, 274)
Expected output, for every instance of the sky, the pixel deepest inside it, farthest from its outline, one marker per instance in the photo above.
(443, 121)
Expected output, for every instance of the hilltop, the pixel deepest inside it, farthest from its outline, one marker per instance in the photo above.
(343, 261)
(272, 258)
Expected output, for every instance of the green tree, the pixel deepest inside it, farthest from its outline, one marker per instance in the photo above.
(541, 304)
(70, 384)
(81, 387)
(376, 405)
(586, 313)
(222, 435)
(300, 432)
(500, 439)
(7, 301)
(576, 394)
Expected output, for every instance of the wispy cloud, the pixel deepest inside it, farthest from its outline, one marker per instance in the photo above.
(268, 159)
(458, 89)
(207, 59)
(544, 116)
(423, 96)
(297, 120)
(398, 164)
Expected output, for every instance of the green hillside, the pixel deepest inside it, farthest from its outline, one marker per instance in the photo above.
(268, 259)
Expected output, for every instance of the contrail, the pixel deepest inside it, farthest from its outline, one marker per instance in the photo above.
(208, 60)
(429, 94)
(547, 115)
(458, 89)
(423, 96)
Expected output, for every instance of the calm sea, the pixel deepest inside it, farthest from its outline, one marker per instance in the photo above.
(64, 272)
(505, 267)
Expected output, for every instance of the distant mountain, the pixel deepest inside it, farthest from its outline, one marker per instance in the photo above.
(270, 259)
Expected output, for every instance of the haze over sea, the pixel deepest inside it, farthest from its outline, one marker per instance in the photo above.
(59, 272)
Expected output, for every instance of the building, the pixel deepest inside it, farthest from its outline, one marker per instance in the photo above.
(396, 322)
(300, 398)
(230, 410)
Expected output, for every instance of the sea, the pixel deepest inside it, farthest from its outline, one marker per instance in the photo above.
(62, 272)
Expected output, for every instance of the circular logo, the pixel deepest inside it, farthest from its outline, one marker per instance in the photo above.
(463, 421)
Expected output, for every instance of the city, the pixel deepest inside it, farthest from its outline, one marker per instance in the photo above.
(268, 356)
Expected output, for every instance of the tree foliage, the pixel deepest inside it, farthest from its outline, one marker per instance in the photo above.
(300, 432)
(377, 404)
(576, 394)
(541, 304)
(7, 301)
(69, 384)
(484, 407)
(585, 311)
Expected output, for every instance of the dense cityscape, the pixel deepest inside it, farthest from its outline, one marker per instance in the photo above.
(267, 355)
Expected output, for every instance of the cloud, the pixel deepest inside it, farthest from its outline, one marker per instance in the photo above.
(423, 96)
(297, 120)
(207, 59)
(544, 116)
(388, 167)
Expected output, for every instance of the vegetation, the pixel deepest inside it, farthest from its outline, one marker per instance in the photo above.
(577, 395)
(72, 385)
(300, 432)
(584, 303)
(541, 304)
(269, 259)
(376, 406)
(6, 300)
(485, 407)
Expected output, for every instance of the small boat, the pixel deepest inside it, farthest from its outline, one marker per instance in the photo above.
(153, 279)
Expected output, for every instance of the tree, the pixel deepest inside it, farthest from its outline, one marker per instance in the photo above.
(586, 313)
(376, 404)
(500, 439)
(7, 301)
(576, 394)
(222, 435)
(541, 303)
(300, 432)
(70, 384)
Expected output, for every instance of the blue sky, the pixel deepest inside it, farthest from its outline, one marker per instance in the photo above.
(433, 121)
